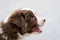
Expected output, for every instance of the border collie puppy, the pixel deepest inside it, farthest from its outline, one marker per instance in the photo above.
(19, 23)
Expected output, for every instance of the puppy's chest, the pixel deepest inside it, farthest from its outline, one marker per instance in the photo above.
(9, 37)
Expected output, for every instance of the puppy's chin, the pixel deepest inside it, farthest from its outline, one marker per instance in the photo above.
(32, 36)
(28, 36)
(35, 32)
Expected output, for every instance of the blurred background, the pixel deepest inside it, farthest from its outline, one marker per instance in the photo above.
(48, 9)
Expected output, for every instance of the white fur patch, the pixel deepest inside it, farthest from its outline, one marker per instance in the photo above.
(1, 31)
(28, 9)
(4, 37)
(28, 36)
(6, 19)
(40, 21)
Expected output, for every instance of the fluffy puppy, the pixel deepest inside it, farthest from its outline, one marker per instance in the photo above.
(20, 22)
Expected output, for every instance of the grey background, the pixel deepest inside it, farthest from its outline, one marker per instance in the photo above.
(48, 9)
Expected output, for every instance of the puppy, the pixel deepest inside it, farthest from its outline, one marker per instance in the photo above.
(19, 23)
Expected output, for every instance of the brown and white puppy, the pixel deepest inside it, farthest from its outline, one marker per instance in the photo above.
(19, 23)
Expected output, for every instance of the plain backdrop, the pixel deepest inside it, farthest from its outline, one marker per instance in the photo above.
(48, 9)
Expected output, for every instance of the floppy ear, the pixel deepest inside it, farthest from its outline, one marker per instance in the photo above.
(30, 18)
(17, 19)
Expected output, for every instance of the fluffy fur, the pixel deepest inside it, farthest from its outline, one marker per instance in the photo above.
(20, 22)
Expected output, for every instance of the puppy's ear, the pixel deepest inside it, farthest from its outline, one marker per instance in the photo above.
(30, 18)
(17, 19)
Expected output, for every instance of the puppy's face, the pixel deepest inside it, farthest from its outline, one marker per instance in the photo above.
(25, 21)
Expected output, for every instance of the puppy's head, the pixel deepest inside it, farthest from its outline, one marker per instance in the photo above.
(25, 21)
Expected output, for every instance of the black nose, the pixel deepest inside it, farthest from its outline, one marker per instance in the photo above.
(44, 20)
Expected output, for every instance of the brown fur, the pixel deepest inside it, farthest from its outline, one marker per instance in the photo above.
(22, 21)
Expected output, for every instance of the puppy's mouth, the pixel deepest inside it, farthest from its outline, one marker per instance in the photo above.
(36, 29)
